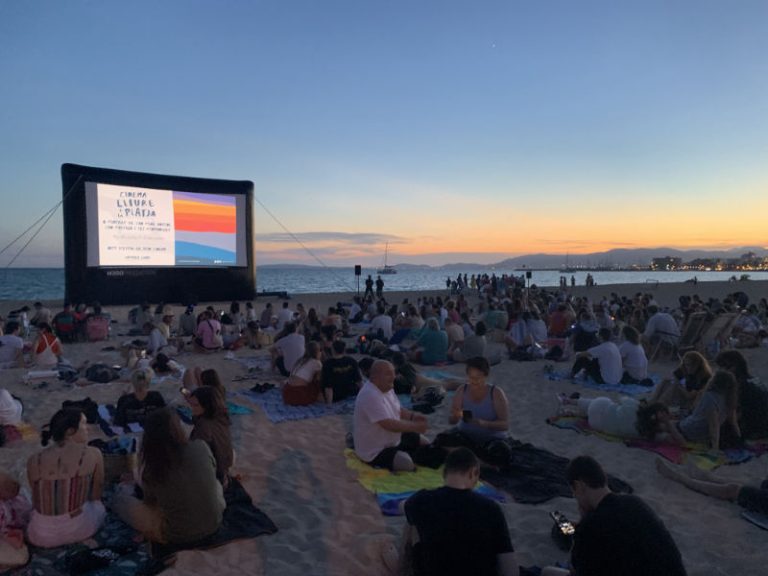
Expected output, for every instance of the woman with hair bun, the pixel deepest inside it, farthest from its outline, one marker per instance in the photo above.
(66, 480)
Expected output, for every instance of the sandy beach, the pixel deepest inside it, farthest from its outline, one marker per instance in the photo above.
(330, 525)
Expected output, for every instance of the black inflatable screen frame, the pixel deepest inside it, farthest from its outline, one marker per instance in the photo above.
(131, 285)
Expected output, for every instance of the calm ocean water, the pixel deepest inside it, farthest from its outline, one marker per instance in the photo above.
(48, 283)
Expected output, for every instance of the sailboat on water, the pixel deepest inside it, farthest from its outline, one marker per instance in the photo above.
(386, 269)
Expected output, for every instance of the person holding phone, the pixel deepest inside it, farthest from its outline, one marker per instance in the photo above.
(480, 414)
(618, 533)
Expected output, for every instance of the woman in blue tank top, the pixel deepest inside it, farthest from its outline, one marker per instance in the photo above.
(480, 412)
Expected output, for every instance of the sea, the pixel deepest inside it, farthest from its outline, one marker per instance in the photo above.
(31, 284)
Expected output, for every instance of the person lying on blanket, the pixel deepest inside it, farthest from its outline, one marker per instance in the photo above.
(753, 498)
(385, 433)
(452, 530)
(480, 414)
(653, 421)
(627, 418)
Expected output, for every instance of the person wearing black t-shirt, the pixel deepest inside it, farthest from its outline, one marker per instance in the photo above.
(459, 532)
(340, 376)
(134, 407)
(618, 534)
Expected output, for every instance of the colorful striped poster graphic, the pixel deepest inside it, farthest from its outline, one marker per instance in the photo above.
(206, 229)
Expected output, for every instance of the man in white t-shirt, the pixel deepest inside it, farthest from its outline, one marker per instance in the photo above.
(602, 363)
(11, 346)
(286, 351)
(385, 433)
(285, 315)
(661, 326)
(383, 322)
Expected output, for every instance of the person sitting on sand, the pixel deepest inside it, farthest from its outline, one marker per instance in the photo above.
(602, 363)
(208, 333)
(746, 328)
(182, 500)
(717, 405)
(618, 533)
(162, 364)
(11, 346)
(752, 397)
(480, 414)
(381, 325)
(10, 409)
(453, 530)
(47, 349)
(340, 377)
(66, 480)
(14, 516)
(287, 350)
(157, 341)
(188, 322)
(455, 335)
(385, 433)
(660, 328)
(303, 385)
(196, 377)
(42, 315)
(211, 424)
(584, 334)
(431, 346)
(409, 380)
(686, 384)
(633, 357)
(752, 498)
(134, 407)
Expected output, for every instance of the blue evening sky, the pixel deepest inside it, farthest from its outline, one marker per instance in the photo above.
(451, 130)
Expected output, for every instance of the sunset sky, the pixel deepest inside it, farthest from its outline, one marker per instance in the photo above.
(451, 130)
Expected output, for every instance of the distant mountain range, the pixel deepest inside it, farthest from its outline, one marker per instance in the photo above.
(618, 258)
(622, 257)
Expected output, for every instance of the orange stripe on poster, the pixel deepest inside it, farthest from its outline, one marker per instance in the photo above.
(190, 223)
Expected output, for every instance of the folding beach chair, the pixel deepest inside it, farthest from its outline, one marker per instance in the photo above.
(692, 331)
(715, 336)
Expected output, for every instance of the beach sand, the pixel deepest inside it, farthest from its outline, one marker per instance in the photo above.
(331, 525)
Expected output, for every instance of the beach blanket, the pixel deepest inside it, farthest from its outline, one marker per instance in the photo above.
(760, 520)
(392, 488)
(242, 520)
(116, 546)
(534, 475)
(114, 540)
(185, 413)
(627, 389)
(261, 363)
(271, 402)
(698, 454)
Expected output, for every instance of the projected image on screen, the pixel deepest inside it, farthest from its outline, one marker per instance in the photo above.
(132, 226)
(206, 229)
